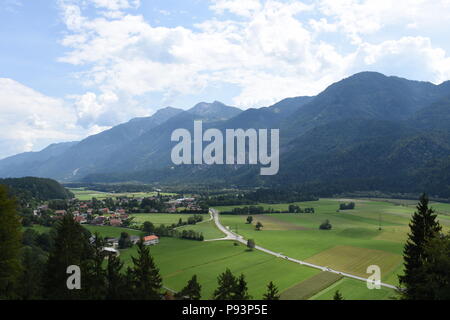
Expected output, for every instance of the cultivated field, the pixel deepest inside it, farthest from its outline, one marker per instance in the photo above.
(111, 232)
(163, 218)
(85, 194)
(355, 241)
(179, 259)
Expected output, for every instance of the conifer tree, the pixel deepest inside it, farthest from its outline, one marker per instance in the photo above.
(437, 268)
(72, 247)
(424, 227)
(227, 286)
(95, 279)
(192, 291)
(147, 280)
(10, 245)
(117, 287)
(272, 292)
(241, 290)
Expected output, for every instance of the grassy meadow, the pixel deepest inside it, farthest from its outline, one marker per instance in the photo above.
(354, 242)
(83, 194)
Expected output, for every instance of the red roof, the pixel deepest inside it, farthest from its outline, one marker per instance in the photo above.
(150, 238)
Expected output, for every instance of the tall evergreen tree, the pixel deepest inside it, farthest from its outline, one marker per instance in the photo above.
(192, 291)
(117, 287)
(95, 279)
(424, 227)
(241, 290)
(71, 247)
(10, 245)
(147, 281)
(33, 262)
(227, 286)
(272, 292)
(437, 268)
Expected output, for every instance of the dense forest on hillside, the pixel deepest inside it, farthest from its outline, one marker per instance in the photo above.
(36, 188)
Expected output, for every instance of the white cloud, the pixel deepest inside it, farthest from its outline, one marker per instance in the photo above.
(31, 120)
(268, 49)
(414, 56)
(115, 5)
(239, 7)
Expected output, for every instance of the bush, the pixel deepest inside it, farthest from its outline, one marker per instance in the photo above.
(326, 225)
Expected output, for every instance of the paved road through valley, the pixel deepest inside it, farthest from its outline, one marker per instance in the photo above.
(230, 235)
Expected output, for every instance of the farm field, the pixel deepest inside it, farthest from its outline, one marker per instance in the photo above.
(310, 286)
(352, 289)
(163, 218)
(179, 259)
(355, 241)
(207, 228)
(85, 194)
(111, 232)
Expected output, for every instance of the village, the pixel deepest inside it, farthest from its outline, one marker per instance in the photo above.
(120, 212)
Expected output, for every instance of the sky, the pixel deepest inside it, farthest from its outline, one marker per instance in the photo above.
(72, 68)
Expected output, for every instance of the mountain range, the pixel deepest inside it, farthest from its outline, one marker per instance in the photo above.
(365, 132)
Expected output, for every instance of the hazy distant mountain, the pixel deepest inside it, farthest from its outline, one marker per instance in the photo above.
(365, 132)
(67, 159)
(22, 164)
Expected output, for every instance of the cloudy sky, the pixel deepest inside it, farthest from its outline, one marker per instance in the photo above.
(70, 68)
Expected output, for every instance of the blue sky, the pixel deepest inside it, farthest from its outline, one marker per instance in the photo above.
(71, 68)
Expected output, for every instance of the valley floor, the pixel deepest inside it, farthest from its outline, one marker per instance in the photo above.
(354, 242)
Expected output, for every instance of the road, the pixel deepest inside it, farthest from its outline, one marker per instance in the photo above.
(230, 235)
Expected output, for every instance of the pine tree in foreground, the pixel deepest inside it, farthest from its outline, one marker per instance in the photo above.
(117, 287)
(147, 280)
(424, 227)
(241, 291)
(72, 247)
(272, 292)
(192, 291)
(227, 286)
(10, 245)
(437, 268)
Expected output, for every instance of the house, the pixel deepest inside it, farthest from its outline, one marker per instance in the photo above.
(110, 251)
(80, 219)
(151, 240)
(115, 222)
(104, 211)
(134, 239)
(114, 242)
(60, 212)
(43, 207)
(99, 220)
(121, 211)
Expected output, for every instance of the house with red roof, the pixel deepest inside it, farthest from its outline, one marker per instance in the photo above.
(151, 240)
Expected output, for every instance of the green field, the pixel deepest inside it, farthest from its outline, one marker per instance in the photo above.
(207, 228)
(179, 259)
(84, 194)
(352, 289)
(355, 241)
(111, 232)
(162, 218)
(311, 286)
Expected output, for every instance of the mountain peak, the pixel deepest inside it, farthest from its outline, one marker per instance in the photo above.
(214, 111)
